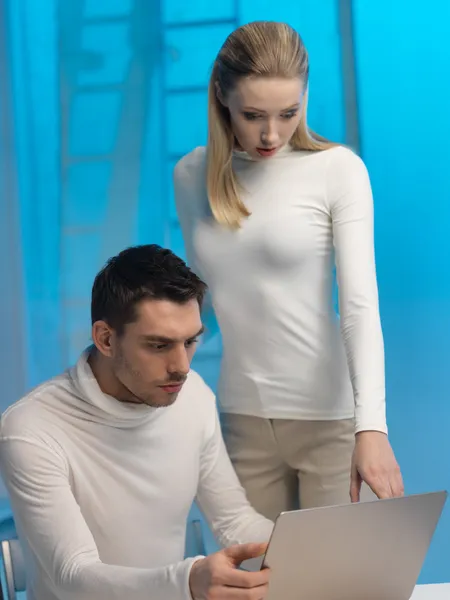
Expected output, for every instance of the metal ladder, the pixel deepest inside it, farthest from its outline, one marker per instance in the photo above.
(112, 79)
(174, 34)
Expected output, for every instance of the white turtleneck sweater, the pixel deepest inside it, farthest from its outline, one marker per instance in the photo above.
(286, 354)
(101, 490)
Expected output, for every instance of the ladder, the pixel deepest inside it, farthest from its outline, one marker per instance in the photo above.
(191, 36)
(108, 51)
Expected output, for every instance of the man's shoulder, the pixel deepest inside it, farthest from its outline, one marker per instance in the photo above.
(197, 398)
(197, 390)
(198, 407)
(34, 411)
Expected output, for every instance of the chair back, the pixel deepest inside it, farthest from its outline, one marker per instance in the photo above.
(13, 576)
(195, 541)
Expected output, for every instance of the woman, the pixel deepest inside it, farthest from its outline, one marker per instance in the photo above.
(267, 210)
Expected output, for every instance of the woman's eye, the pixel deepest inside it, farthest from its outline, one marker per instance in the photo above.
(251, 116)
(289, 115)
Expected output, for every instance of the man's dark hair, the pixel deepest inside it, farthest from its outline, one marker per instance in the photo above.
(140, 273)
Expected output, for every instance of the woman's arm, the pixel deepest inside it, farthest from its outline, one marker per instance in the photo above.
(187, 184)
(349, 197)
(350, 201)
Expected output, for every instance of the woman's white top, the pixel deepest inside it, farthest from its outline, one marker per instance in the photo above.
(286, 352)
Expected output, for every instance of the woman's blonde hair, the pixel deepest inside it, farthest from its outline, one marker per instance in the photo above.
(258, 49)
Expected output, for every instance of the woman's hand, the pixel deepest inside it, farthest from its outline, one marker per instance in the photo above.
(374, 462)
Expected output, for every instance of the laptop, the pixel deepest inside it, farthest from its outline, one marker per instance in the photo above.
(364, 551)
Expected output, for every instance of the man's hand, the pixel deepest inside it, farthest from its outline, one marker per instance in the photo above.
(374, 462)
(217, 576)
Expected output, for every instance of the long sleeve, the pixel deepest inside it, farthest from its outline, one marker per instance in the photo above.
(49, 518)
(350, 201)
(186, 194)
(223, 500)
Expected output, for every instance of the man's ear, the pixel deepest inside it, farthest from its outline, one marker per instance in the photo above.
(103, 338)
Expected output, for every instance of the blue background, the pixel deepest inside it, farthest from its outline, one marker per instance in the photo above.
(99, 98)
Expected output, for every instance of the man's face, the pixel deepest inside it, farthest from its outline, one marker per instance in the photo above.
(152, 358)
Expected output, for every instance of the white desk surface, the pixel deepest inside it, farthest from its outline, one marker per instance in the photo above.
(440, 591)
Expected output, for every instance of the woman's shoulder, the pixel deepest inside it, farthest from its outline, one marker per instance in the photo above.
(346, 177)
(189, 181)
(333, 162)
(343, 160)
(192, 166)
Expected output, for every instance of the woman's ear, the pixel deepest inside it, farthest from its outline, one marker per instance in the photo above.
(220, 95)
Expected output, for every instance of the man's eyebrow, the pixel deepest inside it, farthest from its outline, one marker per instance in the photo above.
(166, 340)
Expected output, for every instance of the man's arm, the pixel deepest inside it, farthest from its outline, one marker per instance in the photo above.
(222, 498)
(50, 519)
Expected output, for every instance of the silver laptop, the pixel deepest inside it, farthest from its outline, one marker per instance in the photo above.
(366, 551)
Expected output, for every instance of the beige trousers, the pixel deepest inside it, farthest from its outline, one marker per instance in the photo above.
(286, 464)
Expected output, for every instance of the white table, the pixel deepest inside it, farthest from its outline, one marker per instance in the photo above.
(440, 591)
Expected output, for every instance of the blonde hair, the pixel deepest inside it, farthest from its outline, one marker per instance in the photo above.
(264, 49)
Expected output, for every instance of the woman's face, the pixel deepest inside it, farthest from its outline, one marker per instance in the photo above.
(265, 113)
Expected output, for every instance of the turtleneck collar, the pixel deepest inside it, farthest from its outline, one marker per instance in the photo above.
(102, 408)
(241, 154)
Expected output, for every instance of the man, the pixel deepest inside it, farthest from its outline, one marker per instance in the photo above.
(103, 462)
